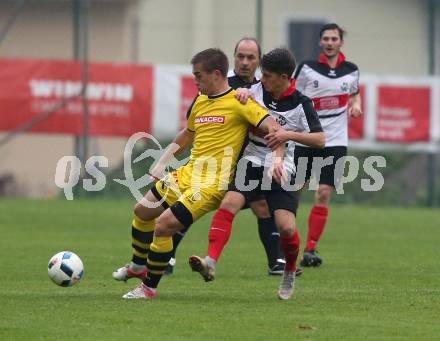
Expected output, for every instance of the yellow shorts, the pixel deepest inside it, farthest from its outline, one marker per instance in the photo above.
(197, 201)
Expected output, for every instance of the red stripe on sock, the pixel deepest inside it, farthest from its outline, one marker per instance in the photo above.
(220, 232)
(317, 219)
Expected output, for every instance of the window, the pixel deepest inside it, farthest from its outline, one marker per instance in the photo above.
(302, 37)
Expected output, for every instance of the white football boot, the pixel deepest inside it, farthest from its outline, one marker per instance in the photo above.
(287, 285)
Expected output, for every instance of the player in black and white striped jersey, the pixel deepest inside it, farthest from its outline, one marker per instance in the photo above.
(299, 123)
(333, 84)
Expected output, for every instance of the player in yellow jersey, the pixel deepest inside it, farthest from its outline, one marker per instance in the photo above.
(216, 126)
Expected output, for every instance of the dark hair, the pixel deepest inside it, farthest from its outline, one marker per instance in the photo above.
(212, 59)
(332, 26)
(280, 60)
(248, 39)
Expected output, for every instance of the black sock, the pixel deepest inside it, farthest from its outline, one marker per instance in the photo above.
(177, 238)
(270, 238)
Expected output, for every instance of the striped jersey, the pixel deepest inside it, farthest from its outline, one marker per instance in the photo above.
(330, 91)
(293, 111)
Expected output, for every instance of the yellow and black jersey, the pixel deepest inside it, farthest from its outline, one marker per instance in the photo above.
(220, 124)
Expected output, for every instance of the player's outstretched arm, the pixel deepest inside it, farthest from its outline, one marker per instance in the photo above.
(311, 134)
(315, 139)
(183, 139)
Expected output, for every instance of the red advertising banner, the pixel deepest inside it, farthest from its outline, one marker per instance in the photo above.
(119, 97)
(356, 124)
(187, 94)
(403, 113)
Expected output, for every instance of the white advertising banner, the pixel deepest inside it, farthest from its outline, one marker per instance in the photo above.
(167, 103)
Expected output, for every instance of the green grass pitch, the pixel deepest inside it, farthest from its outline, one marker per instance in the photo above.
(380, 279)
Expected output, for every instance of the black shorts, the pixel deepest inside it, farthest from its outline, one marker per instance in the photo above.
(276, 196)
(328, 174)
(253, 199)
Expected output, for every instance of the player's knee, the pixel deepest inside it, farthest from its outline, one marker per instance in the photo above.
(230, 204)
(260, 209)
(164, 226)
(141, 211)
(286, 231)
(285, 228)
(322, 196)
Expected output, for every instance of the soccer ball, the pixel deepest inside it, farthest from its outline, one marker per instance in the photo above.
(65, 268)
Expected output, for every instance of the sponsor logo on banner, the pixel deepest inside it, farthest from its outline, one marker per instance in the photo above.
(209, 119)
(119, 97)
(403, 113)
(46, 88)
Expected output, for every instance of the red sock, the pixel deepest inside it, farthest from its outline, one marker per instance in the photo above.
(290, 248)
(317, 219)
(219, 233)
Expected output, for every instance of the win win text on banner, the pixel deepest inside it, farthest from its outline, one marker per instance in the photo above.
(119, 97)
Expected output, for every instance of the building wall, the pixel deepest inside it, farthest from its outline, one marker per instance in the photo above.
(44, 29)
(384, 37)
(373, 27)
